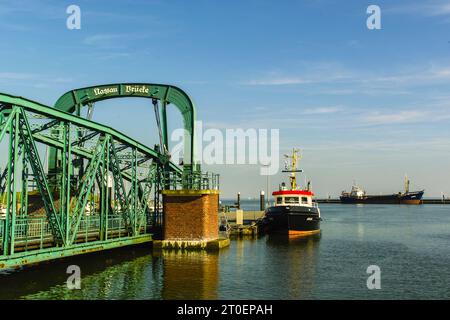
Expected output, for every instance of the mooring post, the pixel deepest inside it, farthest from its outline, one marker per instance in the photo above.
(238, 203)
(262, 206)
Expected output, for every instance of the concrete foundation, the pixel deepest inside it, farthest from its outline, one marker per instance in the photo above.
(191, 245)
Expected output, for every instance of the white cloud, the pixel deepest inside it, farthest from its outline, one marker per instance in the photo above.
(308, 73)
(277, 81)
(442, 73)
(4, 76)
(425, 8)
(99, 39)
(114, 42)
(45, 9)
(383, 144)
(390, 118)
(38, 80)
(322, 110)
(336, 80)
(438, 9)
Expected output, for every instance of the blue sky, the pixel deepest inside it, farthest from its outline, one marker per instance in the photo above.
(364, 105)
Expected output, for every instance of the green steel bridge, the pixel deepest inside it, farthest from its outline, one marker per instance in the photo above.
(102, 189)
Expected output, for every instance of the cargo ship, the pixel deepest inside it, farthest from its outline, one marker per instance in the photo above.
(294, 212)
(358, 195)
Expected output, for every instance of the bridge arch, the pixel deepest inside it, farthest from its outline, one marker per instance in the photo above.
(73, 100)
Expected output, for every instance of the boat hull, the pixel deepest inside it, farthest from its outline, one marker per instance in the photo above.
(292, 220)
(412, 197)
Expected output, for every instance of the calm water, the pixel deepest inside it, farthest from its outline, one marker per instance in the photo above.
(411, 245)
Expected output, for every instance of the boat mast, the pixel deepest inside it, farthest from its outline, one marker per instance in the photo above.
(406, 184)
(292, 169)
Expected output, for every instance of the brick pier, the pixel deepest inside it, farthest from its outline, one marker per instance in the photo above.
(191, 220)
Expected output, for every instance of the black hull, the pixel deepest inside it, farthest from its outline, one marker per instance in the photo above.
(400, 198)
(293, 220)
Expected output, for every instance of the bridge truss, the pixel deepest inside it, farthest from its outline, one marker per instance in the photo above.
(102, 188)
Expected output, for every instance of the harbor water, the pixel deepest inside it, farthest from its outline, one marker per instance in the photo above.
(410, 245)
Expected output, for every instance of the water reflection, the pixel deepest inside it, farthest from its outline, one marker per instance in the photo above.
(189, 275)
(360, 231)
(410, 244)
(300, 257)
(282, 240)
(118, 274)
(122, 274)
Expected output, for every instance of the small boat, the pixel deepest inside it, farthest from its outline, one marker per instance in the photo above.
(358, 195)
(294, 212)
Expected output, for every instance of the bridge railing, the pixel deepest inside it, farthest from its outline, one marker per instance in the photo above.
(192, 180)
(31, 228)
(35, 232)
(2, 229)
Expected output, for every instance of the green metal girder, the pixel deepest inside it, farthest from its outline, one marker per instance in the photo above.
(145, 189)
(40, 177)
(105, 208)
(76, 151)
(8, 236)
(119, 187)
(86, 187)
(6, 124)
(58, 144)
(36, 107)
(65, 190)
(46, 126)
